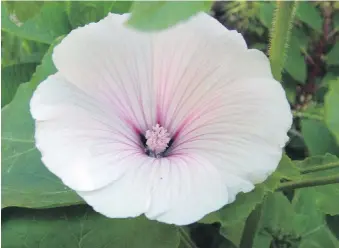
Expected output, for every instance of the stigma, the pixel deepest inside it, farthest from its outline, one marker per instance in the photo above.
(157, 140)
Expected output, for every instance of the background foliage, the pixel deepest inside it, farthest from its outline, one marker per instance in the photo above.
(306, 218)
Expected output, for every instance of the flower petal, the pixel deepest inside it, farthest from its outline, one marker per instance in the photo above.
(242, 128)
(127, 197)
(187, 188)
(81, 141)
(113, 63)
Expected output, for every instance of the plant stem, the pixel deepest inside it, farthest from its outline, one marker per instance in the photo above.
(280, 35)
(319, 167)
(307, 116)
(308, 183)
(186, 239)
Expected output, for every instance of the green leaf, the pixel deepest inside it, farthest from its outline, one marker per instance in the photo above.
(326, 198)
(266, 11)
(262, 240)
(332, 58)
(295, 63)
(332, 222)
(315, 233)
(332, 108)
(121, 7)
(162, 14)
(309, 14)
(20, 51)
(23, 10)
(336, 21)
(299, 38)
(47, 66)
(235, 214)
(51, 23)
(245, 203)
(26, 182)
(280, 35)
(82, 13)
(329, 76)
(319, 140)
(12, 77)
(233, 232)
(79, 226)
(287, 169)
(279, 222)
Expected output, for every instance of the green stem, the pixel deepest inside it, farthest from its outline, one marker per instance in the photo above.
(280, 35)
(307, 116)
(308, 183)
(319, 167)
(186, 239)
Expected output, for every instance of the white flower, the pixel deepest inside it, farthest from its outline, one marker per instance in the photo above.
(171, 124)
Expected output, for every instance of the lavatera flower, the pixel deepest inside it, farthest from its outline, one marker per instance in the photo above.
(171, 124)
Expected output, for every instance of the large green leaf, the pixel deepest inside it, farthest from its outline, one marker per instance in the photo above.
(309, 14)
(82, 13)
(23, 10)
(51, 22)
(79, 226)
(332, 108)
(12, 77)
(162, 14)
(26, 182)
(314, 231)
(332, 58)
(326, 198)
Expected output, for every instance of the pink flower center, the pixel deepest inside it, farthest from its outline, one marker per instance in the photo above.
(157, 139)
